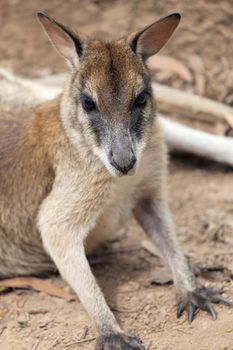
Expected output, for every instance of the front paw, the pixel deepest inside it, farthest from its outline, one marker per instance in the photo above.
(200, 299)
(118, 341)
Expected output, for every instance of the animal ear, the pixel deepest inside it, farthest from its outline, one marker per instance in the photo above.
(65, 41)
(150, 40)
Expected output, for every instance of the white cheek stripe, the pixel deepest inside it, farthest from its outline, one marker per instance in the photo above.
(101, 153)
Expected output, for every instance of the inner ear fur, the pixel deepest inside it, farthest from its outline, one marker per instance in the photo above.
(66, 42)
(148, 41)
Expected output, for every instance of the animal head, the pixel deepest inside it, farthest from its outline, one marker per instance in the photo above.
(108, 100)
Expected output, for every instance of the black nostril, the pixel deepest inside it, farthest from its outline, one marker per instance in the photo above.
(113, 163)
(126, 168)
(132, 163)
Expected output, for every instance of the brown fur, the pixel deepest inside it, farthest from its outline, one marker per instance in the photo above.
(60, 190)
(28, 141)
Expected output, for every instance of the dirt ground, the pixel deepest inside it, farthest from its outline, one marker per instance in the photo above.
(201, 192)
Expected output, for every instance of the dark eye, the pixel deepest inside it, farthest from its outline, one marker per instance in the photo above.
(141, 99)
(87, 103)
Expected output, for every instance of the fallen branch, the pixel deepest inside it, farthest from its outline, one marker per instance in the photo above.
(170, 100)
(38, 285)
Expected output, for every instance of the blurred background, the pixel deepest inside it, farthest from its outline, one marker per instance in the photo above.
(197, 59)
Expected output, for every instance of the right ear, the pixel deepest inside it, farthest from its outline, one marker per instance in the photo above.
(64, 40)
(150, 40)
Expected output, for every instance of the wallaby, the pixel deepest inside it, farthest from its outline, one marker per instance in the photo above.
(73, 171)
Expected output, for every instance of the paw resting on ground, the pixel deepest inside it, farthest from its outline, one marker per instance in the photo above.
(201, 299)
(118, 342)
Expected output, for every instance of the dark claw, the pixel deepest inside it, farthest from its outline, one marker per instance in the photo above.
(200, 299)
(118, 342)
(191, 311)
(180, 309)
(211, 311)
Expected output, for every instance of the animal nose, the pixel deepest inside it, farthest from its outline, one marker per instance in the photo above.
(123, 164)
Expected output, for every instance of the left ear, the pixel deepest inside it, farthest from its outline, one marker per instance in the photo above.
(150, 40)
(68, 44)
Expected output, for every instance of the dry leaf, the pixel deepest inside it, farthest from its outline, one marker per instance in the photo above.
(170, 64)
(163, 276)
(150, 248)
(37, 284)
(214, 273)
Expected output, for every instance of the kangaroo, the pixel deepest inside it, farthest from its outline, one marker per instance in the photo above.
(73, 169)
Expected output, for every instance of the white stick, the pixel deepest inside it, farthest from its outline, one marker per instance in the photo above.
(183, 138)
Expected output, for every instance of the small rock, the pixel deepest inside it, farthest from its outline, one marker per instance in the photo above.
(23, 320)
(44, 322)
